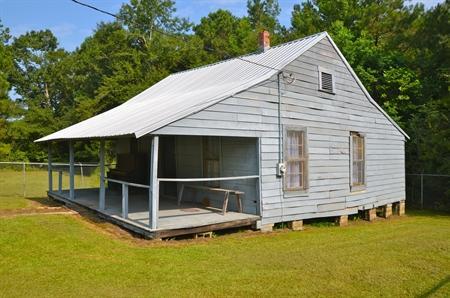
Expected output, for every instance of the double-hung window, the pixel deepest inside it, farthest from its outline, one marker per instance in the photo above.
(295, 158)
(357, 161)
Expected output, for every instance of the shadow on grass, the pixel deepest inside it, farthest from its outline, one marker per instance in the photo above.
(434, 289)
(425, 212)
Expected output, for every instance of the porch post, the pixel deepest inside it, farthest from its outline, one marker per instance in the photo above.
(101, 203)
(71, 172)
(154, 185)
(50, 169)
(259, 180)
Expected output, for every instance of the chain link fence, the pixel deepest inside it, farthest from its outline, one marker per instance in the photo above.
(30, 179)
(428, 191)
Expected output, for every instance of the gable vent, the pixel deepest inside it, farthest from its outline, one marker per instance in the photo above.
(326, 81)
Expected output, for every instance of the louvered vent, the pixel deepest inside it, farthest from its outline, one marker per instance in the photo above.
(327, 82)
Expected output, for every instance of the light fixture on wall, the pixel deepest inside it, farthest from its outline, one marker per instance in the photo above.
(289, 78)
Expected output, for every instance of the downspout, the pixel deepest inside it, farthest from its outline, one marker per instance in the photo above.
(280, 136)
(281, 168)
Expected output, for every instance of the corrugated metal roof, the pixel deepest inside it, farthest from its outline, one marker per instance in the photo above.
(187, 92)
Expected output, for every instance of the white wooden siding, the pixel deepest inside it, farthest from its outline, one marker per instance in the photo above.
(329, 119)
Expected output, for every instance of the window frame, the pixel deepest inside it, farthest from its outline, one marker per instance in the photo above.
(358, 187)
(328, 71)
(290, 192)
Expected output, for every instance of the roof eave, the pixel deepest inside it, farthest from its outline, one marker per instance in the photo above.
(364, 88)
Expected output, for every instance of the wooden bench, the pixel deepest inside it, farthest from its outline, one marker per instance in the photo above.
(227, 193)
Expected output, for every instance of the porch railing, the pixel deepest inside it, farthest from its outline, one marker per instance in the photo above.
(125, 186)
(207, 179)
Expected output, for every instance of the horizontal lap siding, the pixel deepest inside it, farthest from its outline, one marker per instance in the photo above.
(329, 120)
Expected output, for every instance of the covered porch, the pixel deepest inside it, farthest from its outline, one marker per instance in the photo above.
(195, 184)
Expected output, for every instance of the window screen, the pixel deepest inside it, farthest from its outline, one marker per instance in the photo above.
(295, 160)
(358, 159)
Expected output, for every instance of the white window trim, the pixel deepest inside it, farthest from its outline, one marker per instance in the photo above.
(320, 70)
(357, 188)
(304, 191)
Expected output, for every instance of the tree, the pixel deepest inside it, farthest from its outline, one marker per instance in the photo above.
(8, 109)
(224, 35)
(263, 15)
(145, 17)
(37, 89)
(305, 20)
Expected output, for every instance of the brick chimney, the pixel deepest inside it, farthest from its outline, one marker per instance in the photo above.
(264, 40)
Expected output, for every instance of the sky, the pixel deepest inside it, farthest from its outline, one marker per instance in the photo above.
(72, 23)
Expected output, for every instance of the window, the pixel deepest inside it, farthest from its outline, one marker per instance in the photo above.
(357, 161)
(211, 160)
(326, 80)
(295, 160)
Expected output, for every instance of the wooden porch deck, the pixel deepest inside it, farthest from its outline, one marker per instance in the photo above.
(174, 220)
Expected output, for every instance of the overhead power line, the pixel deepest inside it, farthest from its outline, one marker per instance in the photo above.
(117, 16)
(171, 35)
(95, 8)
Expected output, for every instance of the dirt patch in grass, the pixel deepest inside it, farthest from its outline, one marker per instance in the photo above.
(28, 206)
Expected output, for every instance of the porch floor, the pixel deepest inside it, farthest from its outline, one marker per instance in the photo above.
(171, 216)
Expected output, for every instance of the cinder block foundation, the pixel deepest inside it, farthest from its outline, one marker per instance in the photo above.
(387, 210)
(296, 225)
(400, 208)
(342, 220)
(370, 214)
(266, 228)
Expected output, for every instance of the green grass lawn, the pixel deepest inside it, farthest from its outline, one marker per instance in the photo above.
(62, 255)
(13, 183)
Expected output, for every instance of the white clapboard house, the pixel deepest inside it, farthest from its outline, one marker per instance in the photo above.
(281, 135)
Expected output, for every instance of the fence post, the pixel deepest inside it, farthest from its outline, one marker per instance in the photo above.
(421, 190)
(50, 168)
(81, 172)
(71, 172)
(60, 174)
(24, 182)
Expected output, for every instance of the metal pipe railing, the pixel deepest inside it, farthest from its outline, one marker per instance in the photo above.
(207, 179)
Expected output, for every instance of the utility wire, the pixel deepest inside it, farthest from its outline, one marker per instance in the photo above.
(118, 17)
(172, 35)
(95, 8)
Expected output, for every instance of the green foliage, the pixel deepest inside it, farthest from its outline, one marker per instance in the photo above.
(263, 14)
(224, 35)
(8, 108)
